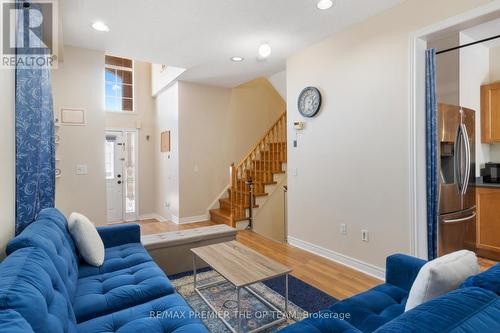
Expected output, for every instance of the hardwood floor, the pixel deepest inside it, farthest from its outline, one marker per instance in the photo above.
(334, 279)
(484, 263)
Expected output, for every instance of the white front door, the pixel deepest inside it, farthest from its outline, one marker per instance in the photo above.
(114, 158)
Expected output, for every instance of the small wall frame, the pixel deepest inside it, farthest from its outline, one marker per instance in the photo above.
(72, 117)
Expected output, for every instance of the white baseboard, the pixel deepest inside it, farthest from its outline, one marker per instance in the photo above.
(153, 216)
(356, 264)
(190, 219)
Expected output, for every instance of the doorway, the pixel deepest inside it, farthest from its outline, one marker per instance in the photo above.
(420, 41)
(121, 156)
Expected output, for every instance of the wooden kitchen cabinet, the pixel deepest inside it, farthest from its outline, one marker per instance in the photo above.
(488, 222)
(490, 113)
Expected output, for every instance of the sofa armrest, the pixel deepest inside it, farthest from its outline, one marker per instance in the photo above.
(120, 234)
(401, 270)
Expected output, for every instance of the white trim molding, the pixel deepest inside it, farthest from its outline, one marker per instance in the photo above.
(153, 216)
(353, 263)
(190, 219)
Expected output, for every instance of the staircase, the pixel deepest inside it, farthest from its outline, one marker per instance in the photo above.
(260, 166)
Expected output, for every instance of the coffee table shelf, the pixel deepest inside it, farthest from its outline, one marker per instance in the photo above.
(242, 267)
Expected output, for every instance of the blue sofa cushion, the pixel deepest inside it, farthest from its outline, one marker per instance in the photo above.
(321, 322)
(402, 270)
(169, 314)
(117, 258)
(364, 312)
(31, 286)
(467, 310)
(373, 308)
(120, 234)
(489, 280)
(50, 233)
(12, 322)
(101, 294)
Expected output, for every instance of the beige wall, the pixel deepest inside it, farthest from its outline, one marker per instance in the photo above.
(218, 126)
(144, 120)
(278, 81)
(254, 108)
(167, 164)
(447, 70)
(495, 64)
(269, 219)
(78, 83)
(495, 76)
(204, 119)
(352, 160)
(7, 158)
(474, 72)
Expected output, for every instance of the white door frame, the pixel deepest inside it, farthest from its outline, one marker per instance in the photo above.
(136, 131)
(418, 45)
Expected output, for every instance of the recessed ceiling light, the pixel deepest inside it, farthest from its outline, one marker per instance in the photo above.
(100, 26)
(324, 4)
(237, 59)
(264, 50)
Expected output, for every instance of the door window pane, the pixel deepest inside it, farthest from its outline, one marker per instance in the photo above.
(110, 159)
(130, 171)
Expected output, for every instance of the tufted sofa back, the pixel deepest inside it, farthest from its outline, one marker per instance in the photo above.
(50, 233)
(31, 288)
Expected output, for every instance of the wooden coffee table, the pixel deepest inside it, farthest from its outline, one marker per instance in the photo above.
(242, 267)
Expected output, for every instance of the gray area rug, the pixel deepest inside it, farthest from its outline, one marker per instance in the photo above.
(254, 313)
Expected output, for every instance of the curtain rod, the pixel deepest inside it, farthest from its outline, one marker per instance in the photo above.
(469, 44)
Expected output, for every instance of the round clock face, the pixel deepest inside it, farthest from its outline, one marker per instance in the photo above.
(309, 102)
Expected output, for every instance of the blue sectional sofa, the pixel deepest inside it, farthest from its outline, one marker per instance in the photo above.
(46, 288)
(474, 307)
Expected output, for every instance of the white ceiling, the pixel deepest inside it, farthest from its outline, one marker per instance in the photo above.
(202, 35)
(486, 30)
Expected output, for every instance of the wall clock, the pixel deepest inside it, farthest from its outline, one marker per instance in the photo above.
(309, 102)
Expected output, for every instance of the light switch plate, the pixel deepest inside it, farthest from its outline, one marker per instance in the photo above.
(81, 169)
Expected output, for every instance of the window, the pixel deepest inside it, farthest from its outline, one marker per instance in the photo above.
(119, 86)
(110, 159)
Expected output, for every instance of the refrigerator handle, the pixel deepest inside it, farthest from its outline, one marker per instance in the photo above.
(465, 136)
(458, 159)
(461, 219)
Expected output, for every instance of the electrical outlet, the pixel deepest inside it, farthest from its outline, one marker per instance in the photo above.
(364, 235)
(81, 169)
(343, 229)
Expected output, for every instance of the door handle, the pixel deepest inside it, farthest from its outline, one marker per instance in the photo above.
(463, 219)
(119, 182)
(119, 176)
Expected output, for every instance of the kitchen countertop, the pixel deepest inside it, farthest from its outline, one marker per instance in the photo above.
(481, 183)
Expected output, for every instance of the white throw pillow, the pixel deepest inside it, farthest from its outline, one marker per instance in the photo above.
(442, 275)
(86, 239)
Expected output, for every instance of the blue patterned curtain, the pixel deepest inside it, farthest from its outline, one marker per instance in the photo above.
(35, 147)
(431, 152)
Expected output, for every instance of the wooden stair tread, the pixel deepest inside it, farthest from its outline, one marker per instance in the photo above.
(226, 201)
(260, 194)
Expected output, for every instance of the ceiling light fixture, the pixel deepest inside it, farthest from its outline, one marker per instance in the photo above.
(100, 26)
(324, 4)
(264, 50)
(237, 59)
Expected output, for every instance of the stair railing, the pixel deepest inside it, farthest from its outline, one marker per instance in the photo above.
(258, 166)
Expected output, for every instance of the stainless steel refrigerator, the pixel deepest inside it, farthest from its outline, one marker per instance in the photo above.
(457, 174)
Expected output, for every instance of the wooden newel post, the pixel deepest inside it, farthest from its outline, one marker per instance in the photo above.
(232, 192)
